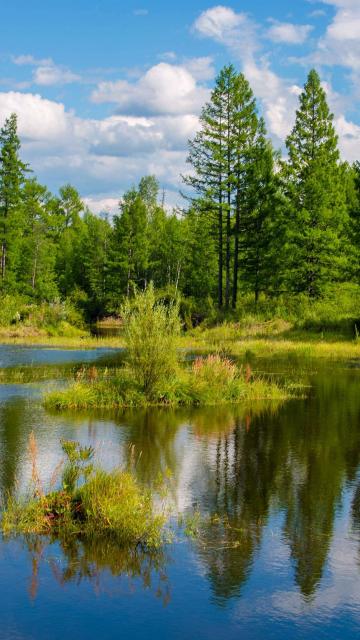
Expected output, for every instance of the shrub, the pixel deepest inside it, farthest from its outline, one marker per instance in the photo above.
(89, 503)
(151, 331)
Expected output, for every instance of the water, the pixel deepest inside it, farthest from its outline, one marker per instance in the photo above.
(280, 557)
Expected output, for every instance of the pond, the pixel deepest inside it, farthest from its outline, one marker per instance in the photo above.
(278, 486)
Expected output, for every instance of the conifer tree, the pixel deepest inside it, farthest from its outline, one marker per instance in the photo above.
(12, 176)
(317, 212)
(211, 157)
(36, 269)
(245, 125)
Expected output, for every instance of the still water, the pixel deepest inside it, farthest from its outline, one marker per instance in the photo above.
(285, 480)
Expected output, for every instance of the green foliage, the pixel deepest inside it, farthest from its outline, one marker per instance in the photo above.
(212, 380)
(91, 503)
(151, 329)
(78, 464)
(315, 247)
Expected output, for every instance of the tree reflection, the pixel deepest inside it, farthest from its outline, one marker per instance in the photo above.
(94, 559)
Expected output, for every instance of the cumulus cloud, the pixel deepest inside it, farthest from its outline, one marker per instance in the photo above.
(163, 89)
(46, 72)
(341, 43)
(238, 33)
(235, 30)
(108, 153)
(289, 33)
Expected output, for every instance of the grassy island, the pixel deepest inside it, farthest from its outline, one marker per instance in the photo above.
(90, 502)
(153, 374)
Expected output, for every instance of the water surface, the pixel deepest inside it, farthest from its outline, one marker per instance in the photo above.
(278, 489)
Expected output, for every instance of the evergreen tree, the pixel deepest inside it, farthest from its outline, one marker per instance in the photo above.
(95, 250)
(261, 232)
(69, 229)
(12, 176)
(211, 156)
(130, 244)
(317, 212)
(36, 271)
(247, 152)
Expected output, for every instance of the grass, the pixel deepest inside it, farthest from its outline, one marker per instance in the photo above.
(83, 340)
(90, 502)
(209, 381)
(273, 339)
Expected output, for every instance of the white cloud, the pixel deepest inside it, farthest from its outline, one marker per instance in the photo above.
(30, 60)
(318, 13)
(200, 68)
(140, 12)
(163, 89)
(341, 43)
(98, 155)
(235, 30)
(46, 72)
(51, 74)
(289, 33)
(349, 138)
(102, 203)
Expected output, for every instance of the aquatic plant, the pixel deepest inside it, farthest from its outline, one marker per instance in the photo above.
(210, 380)
(89, 502)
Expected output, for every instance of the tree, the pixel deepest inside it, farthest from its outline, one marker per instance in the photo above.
(36, 271)
(69, 228)
(211, 157)
(130, 244)
(12, 176)
(312, 178)
(261, 231)
(248, 141)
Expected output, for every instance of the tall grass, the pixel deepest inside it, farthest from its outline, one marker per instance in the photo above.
(151, 329)
(90, 502)
(211, 380)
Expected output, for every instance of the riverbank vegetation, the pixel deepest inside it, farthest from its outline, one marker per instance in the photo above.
(89, 503)
(258, 236)
(153, 373)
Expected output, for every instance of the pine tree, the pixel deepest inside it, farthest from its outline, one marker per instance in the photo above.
(36, 271)
(316, 197)
(245, 125)
(211, 156)
(261, 237)
(12, 176)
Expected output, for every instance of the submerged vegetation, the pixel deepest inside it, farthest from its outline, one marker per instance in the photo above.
(90, 502)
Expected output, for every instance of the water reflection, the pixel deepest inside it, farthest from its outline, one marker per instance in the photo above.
(284, 469)
(92, 560)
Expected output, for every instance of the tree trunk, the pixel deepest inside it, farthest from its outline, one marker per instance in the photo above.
(236, 252)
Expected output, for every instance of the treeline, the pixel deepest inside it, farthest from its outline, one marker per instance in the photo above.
(255, 225)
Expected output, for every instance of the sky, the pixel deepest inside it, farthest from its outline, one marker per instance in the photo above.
(107, 91)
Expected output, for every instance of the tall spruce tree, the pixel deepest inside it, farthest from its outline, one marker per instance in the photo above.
(12, 176)
(211, 157)
(261, 232)
(36, 268)
(246, 151)
(316, 197)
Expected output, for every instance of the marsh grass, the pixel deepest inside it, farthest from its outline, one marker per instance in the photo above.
(90, 502)
(209, 380)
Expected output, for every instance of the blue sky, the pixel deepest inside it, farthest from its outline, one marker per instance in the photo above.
(107, 91)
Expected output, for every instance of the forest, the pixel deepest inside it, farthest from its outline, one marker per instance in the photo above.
(260, 230)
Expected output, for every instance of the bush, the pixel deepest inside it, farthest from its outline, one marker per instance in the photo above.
(11, 309)
(89, 503)
(151, 329)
